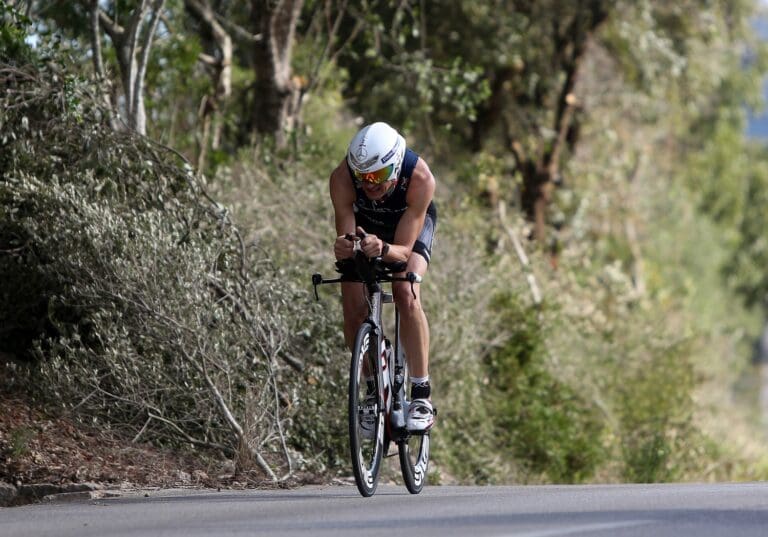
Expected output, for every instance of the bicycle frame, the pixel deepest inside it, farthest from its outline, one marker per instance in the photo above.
(376, 297)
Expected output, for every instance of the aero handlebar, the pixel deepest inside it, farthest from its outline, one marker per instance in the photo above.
(369, 271)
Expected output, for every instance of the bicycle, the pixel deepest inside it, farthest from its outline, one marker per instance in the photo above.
(378, 379)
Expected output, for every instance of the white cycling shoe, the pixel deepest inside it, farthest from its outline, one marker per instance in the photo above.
(421, 416)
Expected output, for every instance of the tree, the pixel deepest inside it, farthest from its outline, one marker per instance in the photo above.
(529, 54)
(132, 42)
(256, 37)
(275, 92)
(218, 58)
(540, 117)
(260, 38)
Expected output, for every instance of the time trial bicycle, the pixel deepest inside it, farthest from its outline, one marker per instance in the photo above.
(378, 380)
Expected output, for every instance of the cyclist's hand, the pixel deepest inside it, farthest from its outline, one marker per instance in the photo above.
(371, 245)
(343, 248)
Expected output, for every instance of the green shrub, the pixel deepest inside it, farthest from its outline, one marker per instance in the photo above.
(13, 32)
(544, 423)
(655, 414)
(626, 354)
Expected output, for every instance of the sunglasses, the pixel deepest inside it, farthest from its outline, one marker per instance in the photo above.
(375, 178)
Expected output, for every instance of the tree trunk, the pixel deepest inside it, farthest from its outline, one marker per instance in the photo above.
(274, 102)
(132, 45)
(538, 187)
(490, 112)
(539, 179)
(219, 60)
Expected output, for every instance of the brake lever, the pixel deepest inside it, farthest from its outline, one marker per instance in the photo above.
(413, 278)
(317, 279)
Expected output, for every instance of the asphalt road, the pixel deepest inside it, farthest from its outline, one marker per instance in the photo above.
(731, 510)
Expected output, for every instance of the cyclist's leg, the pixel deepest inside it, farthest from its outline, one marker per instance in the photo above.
(414, 335)
(355, 308)
(414, 328)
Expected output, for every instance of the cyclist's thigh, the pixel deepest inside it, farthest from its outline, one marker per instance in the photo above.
(423, 245)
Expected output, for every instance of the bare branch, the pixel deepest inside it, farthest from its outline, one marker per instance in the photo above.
(129, 48)
(327, 54)
(238, 31)
(278, 422)
(144, 428)
(206, 15)
(189, 438)
(146, 45)
(114, 30)
(98, 62)
(233, 423)
(283, 29)
(521, 256)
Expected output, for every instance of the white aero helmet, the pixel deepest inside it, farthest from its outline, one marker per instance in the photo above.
(376, 153)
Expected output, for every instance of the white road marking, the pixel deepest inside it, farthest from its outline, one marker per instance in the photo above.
(573, 530)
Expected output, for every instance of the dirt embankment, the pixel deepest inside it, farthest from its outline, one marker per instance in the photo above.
(41, 454)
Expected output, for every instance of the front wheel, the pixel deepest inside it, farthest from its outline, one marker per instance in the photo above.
(366, 417)
(414, 461)
(413, 450)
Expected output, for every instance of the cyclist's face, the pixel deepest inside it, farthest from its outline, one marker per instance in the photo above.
(375, 192)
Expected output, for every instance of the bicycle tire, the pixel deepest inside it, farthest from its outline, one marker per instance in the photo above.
(366, 453)
(413, 463)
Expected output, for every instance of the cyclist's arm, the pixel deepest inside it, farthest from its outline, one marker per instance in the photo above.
(343, 199)
(420, 193)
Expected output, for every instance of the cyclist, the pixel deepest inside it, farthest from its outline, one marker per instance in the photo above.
(384, 190)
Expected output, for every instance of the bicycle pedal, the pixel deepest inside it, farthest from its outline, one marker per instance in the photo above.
(387, 298)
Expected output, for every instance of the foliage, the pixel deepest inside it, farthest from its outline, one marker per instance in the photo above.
(13, 32)
(290, 219)
(746, 271)
(647, 315)
(145, 308)
(136, 300)
(19, 441)
(548, 426)
(626, 358)
(392, 70)
(462, 280)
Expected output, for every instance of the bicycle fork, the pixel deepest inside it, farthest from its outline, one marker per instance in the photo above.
(397, 416)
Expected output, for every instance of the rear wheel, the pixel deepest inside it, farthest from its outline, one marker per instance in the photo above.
(366, 418)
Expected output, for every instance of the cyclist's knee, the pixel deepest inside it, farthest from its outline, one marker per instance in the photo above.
(404, 292)
(404, 298)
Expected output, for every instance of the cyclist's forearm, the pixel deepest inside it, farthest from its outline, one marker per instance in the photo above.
(397, 253)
